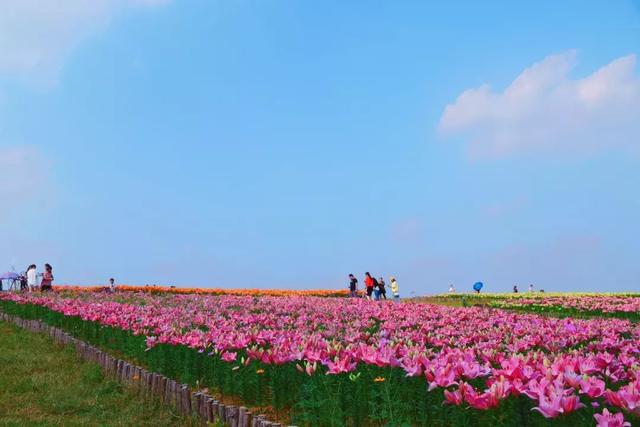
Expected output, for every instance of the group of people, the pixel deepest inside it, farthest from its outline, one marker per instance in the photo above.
(375, 289)
(478, 286)
(515, 288)
(29, 279)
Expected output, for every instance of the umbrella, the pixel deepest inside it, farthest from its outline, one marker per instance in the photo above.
(9, 275)
(477, 286)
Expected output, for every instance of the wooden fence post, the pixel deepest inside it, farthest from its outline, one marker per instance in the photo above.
(209, 409)
(215, 409)
(221, 412)
(186, 399)
(242, 417)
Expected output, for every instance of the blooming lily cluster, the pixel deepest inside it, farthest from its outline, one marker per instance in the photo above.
(477, 357)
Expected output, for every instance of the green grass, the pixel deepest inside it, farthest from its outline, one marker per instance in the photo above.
(45, 384)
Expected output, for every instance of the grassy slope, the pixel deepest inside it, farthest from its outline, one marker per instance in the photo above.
(44, 384)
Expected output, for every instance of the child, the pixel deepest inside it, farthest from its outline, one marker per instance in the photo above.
(395, 290)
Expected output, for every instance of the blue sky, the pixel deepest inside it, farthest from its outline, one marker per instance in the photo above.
(287, 144)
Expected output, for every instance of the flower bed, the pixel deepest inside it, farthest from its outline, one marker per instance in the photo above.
(155, 289)
(569, 305)
(577, 305)
(328, 361)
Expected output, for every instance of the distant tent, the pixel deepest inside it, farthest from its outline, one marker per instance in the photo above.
(11, 279)
(9, 275)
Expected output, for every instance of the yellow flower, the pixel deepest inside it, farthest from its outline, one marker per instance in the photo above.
(260, 371)
(378, 380)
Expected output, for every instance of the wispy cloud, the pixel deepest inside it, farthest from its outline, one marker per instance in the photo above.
(37, 35)
(545, 110)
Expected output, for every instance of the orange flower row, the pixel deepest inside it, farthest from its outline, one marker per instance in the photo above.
(209, 291)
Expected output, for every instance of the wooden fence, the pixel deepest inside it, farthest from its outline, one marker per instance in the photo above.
(150, 384)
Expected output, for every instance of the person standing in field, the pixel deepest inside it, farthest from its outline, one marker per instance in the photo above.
(531, 287)
(112, 285)
(395, 290)
(382, 289)
(23, 282)
(47, 279)
(515, 289)
(477, 287)
(32, 278)
(353, 286)
(376, 289)
(369, 284)
(452, 290)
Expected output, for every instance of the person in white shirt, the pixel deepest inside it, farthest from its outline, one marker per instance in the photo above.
(112, 285)
(451, 289)
(32, 278)
(531, 287)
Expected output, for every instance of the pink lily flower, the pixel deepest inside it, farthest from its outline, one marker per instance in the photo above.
(630, 398)
(498, 391)
(592, 387)
(443, 377)
(570, 404)
(340, 366)
(627, 398)
(549, 407)
(572, 379)
(310, 368)
(229, 356)
(607, 419)
(478, 401)
(453, 397)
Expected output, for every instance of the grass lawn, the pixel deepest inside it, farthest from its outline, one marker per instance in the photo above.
(44, 384)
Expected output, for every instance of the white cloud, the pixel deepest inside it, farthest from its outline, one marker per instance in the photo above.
(545, 110)
(37, 35)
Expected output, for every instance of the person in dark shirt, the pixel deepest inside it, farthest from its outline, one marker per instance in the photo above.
(353, 286)
(382, 288)
(24, 286)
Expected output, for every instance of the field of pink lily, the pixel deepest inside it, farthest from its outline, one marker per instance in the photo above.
(336, 361)
(624, 307)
